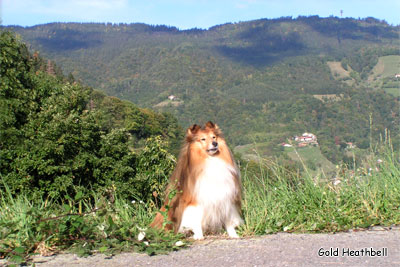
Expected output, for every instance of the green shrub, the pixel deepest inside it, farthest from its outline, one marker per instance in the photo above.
(154, 166)
(55, 142)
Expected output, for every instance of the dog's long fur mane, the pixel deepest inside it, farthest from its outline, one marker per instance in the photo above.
(183, 180)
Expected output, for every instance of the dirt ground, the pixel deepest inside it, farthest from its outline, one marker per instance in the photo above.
(377, 247)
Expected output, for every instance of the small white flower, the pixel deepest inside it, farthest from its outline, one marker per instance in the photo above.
(141, 202)
(141, 236)
(133, 201)
(286, 228)
(179, 243)
(146, 243)
(336, 182)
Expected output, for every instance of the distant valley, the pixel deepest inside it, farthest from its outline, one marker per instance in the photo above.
(262, 81)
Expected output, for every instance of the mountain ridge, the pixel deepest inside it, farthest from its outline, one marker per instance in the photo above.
(238, 74)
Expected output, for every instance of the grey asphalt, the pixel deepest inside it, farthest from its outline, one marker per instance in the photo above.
(283, 249)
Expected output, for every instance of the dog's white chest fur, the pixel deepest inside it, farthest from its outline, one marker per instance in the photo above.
(215, 192)
(216, 185)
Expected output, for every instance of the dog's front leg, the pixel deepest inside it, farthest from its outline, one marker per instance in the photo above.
(191, 220)
(232, 222)
(231, 232)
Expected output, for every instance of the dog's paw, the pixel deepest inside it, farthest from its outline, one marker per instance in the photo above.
(198, 237)
(232, 233)
(235, 235)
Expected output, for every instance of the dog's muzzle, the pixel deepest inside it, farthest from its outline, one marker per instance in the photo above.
(214, 148)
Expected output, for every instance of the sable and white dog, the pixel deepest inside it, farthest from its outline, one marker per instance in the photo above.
(207, 185)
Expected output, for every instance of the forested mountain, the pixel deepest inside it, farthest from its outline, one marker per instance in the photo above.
(262, 80)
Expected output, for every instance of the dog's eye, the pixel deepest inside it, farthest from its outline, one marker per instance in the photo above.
(214, 137)
(203, 139)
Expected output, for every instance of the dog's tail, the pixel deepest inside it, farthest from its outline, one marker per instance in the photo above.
(158, 221)
(161, 221)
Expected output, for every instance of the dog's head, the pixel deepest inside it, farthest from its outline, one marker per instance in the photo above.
(204, 137)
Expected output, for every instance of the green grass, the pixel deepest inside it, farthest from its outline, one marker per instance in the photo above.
(280, 200)
(81, 225)
(275, 199)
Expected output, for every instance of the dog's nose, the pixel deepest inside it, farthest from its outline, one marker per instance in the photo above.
(215, 144)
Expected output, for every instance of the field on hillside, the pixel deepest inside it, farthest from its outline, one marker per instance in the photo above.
(393, 91)
(312, 158)
(337, 69)
(253, 151)
(388, 66)
(383, 75)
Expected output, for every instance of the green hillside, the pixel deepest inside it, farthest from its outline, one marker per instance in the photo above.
(256, 79)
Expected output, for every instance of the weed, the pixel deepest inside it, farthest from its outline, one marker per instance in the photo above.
(80, 225)
(281, 200)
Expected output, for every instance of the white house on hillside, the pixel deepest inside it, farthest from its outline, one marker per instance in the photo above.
(306, 139)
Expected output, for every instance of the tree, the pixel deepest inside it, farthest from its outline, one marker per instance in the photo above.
(54, 140)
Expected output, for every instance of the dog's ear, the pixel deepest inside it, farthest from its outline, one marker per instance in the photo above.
(193, 129)
(214, 127)
(211, 125)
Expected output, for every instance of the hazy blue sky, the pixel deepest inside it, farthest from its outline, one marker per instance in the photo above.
(186, 14)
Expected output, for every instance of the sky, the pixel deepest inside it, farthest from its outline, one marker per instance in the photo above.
(186, 14)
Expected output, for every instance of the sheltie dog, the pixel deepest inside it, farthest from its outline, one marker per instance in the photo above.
(207, 187)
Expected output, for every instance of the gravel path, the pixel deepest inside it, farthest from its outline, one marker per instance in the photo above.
(271, 250)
